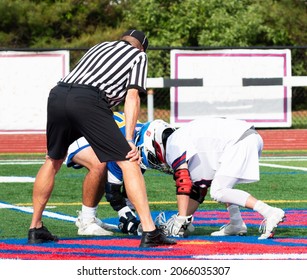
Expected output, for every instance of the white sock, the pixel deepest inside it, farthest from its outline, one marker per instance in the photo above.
(262, 208)
(88, 213)
(235, 215)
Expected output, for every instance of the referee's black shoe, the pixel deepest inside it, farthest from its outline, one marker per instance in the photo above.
(155, 238)
(41, 235)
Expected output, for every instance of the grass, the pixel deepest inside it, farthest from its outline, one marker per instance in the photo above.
(285, 188)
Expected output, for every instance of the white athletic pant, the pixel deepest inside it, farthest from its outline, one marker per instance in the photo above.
(240, 164)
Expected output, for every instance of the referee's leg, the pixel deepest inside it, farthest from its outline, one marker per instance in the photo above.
(136, 192)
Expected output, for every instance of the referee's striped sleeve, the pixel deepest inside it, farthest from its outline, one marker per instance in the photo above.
(139, 74)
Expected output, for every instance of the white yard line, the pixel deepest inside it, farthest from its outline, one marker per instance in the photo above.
(290, 158)
(48, 214)
(15, 179)
(45, 213)
(283, 166)
(20, 162)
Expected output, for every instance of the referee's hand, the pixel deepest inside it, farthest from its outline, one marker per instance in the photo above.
(134, 154)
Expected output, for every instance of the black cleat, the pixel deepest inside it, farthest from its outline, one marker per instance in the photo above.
(41, 235)
(155, 238)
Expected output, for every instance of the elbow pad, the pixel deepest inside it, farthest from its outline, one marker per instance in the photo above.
(183, 182)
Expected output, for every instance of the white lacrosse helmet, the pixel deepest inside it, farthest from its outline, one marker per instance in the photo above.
(151, 141)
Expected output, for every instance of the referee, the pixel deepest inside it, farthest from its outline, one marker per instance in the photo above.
(80, 105)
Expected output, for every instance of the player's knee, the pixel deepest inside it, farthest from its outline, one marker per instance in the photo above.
(98, 168)
(55, 164)
(198, 194)
(217, 194)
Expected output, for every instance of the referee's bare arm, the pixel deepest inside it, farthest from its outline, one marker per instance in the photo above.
(132, 110)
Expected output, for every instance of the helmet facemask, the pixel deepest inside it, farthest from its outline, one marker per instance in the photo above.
(152, 148)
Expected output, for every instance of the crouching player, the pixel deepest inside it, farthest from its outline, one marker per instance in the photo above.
(79, 155)
(215, 152)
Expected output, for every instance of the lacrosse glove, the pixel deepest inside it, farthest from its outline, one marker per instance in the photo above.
(128, 223)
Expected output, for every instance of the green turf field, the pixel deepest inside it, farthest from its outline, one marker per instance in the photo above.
(283, 183)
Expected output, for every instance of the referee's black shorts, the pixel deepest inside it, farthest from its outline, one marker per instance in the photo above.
(75, 111)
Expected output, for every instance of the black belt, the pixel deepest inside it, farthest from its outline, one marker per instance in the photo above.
(72, 85)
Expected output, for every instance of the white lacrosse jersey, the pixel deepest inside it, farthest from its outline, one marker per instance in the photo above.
(211, 145)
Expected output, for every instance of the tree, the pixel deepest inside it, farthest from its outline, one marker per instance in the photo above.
(173, 23)
(26, 23)
(216, 23)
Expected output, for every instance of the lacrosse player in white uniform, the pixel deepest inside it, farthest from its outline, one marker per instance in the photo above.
(79, 155)
(209, 151)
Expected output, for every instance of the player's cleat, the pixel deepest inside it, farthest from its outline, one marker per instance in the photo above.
(104, 225)
(97, 221)
(155, 238)
(269, 225)
(40, 235)
(93, 227)
(230, 229)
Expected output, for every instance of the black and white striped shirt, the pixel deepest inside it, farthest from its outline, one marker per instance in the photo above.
(113, 67)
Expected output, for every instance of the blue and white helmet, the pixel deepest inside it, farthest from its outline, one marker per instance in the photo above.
(151, 141)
